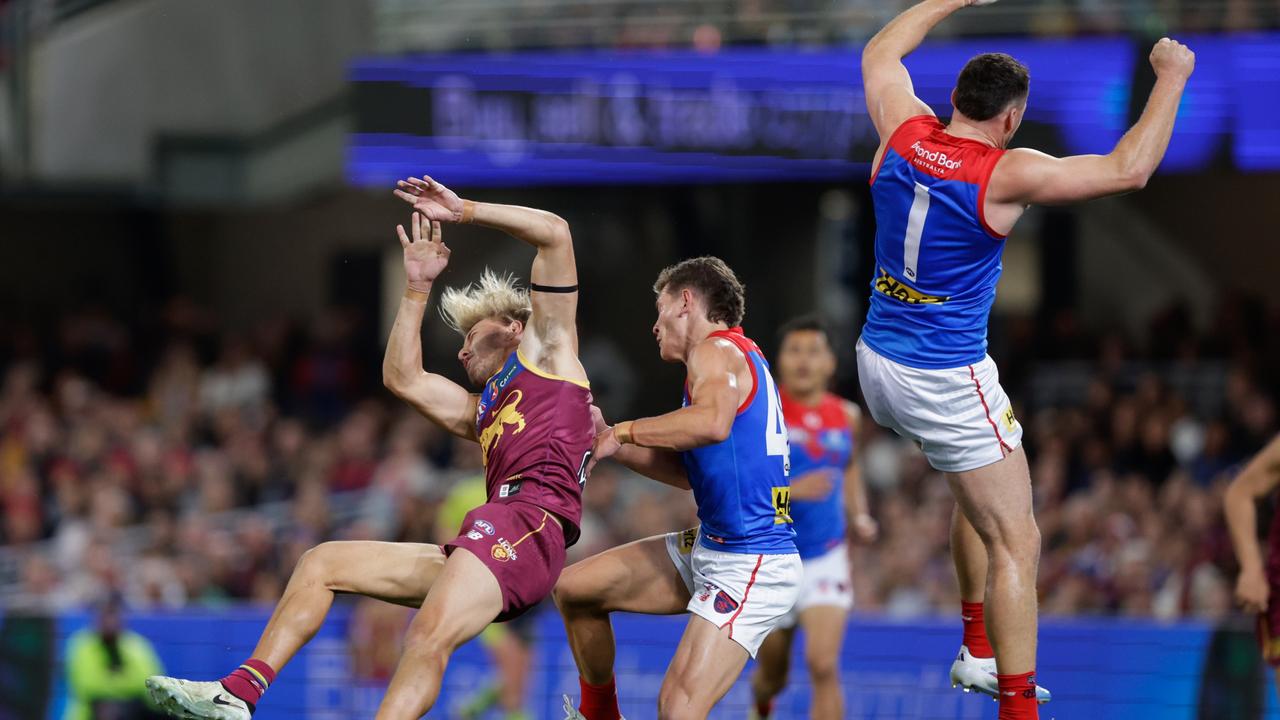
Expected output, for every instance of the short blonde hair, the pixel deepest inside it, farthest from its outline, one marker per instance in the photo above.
(493, 296)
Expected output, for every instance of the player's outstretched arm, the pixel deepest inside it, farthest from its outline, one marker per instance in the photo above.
(891, 98)
(552, 336)
(714, 397)
(1027, 177)
(1258, 478)
(664, 466)
(862, 526)
(441, 400)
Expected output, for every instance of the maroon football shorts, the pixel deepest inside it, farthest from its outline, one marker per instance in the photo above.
(521, 544)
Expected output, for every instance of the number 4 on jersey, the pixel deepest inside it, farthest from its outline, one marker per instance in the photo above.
(775, 429)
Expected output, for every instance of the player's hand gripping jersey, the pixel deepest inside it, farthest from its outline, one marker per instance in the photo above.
(740, 484)
(821, 441)
(937, 260)
(535, 432)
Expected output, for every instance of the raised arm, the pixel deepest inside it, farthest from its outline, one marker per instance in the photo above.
(441, 400)
(1258, 478)
(1026, 177)
(552, 336)
(891, 98)
(716, 389)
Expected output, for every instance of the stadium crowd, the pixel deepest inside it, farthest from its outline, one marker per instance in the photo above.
(709, 23)
(127, 456)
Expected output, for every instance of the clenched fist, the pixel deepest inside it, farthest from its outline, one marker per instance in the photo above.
(1172, 58)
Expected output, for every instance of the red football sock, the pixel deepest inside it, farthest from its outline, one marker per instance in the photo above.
(250, 681)
(599, 702)
(975, 630)
(764, 708)
(1018, 697)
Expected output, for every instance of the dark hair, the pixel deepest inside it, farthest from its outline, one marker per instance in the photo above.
(724, 295)
(988, 84)
(804, 323)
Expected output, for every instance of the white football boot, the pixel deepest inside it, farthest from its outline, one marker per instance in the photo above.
(571, 712)
(196, 700)
(974, 674)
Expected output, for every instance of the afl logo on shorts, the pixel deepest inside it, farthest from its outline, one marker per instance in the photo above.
(725, 604)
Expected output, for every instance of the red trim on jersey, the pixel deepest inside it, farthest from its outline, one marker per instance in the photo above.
(747, 346)
(888, 145)
(830, 407)
(1004, 447)
(982, 200)
(745, 593)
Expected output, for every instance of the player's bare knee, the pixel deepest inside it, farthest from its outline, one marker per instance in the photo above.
(768, 684)
(675, 703)
(316, 565)
(574, 592)
(823, 667)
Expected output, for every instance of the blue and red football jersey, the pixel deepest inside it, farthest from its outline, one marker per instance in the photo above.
(821, 441)
(937, 260)
(740, 484)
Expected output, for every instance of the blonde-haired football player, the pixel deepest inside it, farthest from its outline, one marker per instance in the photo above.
(533, 421)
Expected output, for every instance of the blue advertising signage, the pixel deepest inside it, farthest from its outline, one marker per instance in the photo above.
(758, 114)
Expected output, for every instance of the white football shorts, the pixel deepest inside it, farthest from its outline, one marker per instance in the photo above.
(826, 583)
(960, 417)
(750, 593)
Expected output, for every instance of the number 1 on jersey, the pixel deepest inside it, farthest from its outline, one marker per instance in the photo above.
(915, 229)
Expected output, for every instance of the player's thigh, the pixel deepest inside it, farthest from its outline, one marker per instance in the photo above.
(461, 603)
(996, 499)
(401, 573)
(638, 577)
(706, 664)
(824, 627)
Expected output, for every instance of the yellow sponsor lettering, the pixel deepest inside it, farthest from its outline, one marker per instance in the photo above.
(1010, 421)
(902, 292)
(781, 505)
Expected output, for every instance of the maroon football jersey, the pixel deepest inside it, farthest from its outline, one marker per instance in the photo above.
(535, 432)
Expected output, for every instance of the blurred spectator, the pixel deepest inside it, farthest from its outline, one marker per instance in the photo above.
(145, 492)
(106, 667)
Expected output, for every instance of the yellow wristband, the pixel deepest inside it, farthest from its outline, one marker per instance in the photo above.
(468, 211)
(412, 294)
(622, 431)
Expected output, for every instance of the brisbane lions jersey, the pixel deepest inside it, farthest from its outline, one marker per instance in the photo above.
(535, 433)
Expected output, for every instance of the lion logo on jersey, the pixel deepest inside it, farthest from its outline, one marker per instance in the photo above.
(502, 417)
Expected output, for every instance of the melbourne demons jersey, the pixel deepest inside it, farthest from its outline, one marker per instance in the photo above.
(821, 441)
(740, 484)
(937, 260)
(535, 433)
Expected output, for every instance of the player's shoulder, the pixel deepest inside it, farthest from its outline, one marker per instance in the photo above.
(841, 409)
(717, 350)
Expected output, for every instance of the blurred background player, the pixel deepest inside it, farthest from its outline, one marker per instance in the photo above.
(1259, 579)
(828, 508)
(106, 667)
(738, 573)
(533, 423)
(945, 198)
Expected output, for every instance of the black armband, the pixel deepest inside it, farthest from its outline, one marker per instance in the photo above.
(553, 288)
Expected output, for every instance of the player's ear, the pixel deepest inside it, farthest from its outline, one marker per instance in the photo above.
(953, 97)
(686, 301)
